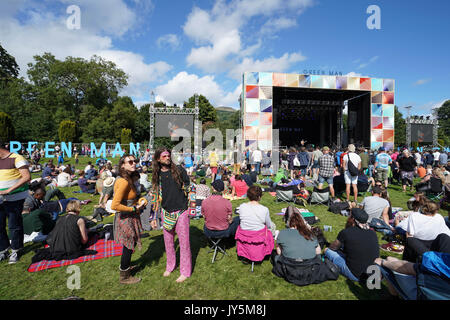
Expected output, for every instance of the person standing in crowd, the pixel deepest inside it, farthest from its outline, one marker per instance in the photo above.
(256, 160)
(326, 170)
(169, 183)
(348, 177)
(443, 158)
(364, 159)
(382, 162)
(407, 165)
(213, 159)
(315, 165)
(14, 178)
(436, 155)
(304, 158)
(417, 157)
(127, 223)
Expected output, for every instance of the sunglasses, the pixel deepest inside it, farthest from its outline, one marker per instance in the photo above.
(130, 162)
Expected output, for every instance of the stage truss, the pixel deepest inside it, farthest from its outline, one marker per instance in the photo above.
(176, 111)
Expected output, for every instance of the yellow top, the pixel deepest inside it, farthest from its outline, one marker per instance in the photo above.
(122, 191)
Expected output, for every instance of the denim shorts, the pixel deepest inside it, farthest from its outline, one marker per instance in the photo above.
(329, 180)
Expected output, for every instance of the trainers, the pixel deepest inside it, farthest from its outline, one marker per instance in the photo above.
(14, 257)
(3, 255)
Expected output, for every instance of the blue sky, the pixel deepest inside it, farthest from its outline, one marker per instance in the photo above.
(177, 48)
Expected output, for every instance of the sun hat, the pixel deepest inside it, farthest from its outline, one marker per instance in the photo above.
(351, 147)
(326, 149)
(109, 182)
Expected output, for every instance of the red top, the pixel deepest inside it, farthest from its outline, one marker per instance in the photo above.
(241, 187)
(216, 210)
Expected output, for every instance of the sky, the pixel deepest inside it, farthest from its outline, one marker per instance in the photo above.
(179, 48)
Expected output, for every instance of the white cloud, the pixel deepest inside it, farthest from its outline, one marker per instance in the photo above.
(371, 60)
(274, 25)
(421, 82)
(218, 31)
(184, 85)
(168, 40)
(47, 33)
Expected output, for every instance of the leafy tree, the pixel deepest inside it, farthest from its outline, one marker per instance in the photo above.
(443, 116)
(400, 128)
(67, 131)
(6, 127)
(8, 67)
(125, 136)
(122, 115)
(207, 113)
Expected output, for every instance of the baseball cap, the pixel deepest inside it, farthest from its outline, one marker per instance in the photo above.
(360, 215)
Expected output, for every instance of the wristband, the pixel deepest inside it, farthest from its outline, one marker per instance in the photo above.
(134, 208)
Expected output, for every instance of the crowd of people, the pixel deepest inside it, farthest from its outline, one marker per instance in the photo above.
(248, 175)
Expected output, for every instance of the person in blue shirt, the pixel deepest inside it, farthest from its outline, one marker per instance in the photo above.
(382, 162)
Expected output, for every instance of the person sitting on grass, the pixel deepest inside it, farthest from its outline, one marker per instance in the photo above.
(67, 239)
(64, 179)
(202, 191)
(356, 247)
(86, 185)
(423, 227)
(377, 209)
(217, 212)
(239, 187)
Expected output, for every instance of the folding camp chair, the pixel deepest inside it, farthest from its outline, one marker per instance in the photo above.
(320, 196)
(436, 190)
(215, 246)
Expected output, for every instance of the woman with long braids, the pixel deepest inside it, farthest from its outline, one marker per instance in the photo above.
(169, 184)
(127, 224)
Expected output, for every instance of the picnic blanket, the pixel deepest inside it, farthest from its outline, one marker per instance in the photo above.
(104, 249)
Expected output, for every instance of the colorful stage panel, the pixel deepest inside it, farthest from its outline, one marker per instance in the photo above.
(265, 105)
(251, 119)
(388, 110)
(251, 133)
(265, 145)
(377, 97)
(353, 83)
(251, 105)
(252, 78)
(265, 133)
(316, 82)
(341, 83)
(388, 98)
(265, 79)
(304, 81)
(265, 92)
(377, 110)
(377, 84)
(388, 146)
(376, 145)
(252, 91)
(388, 85)
(388, 123)
(329, 82)
(377, 123)
(377, 135)
(265, 119)
(279, 79)
(365, 84)
(388, 135)
(292, 80)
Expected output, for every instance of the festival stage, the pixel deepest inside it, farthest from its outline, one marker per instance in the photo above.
(310, 107)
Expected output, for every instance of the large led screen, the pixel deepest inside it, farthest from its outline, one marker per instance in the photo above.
(421, 132)
(165, 124)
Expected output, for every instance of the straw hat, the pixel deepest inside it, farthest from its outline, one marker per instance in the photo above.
(109, 182)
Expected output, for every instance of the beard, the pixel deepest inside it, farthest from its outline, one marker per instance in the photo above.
(165, 165)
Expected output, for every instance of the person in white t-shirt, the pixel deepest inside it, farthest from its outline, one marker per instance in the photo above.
(436, 155)
(256, 159)
(64, 179)
(88, 167)
(422, 229)
(349, 179)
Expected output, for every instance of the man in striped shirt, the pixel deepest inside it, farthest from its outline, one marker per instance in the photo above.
(14, 178)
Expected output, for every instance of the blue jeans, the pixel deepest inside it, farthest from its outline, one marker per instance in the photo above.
(13, 211)
(447, 222)
(338, 259)
(381, 226)
(258, 167)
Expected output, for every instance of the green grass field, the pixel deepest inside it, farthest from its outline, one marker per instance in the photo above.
(226, 279)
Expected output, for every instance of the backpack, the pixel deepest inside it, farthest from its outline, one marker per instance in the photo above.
(351, 167)
(337, 206)
(433, 276)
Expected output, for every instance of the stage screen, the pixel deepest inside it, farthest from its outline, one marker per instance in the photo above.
(165, 124)
(421, 132)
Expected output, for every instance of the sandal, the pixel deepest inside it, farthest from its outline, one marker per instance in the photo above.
(392, 247)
